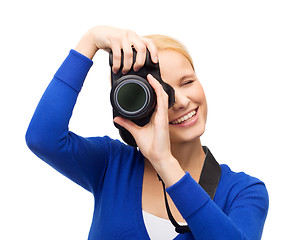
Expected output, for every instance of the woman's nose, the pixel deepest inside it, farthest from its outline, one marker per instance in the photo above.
(181, 100)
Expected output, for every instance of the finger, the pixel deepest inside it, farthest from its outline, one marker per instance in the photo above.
(141, 55)
(152, 49)
(162, 97)
(128, 125)
(128, 55)
(116, 49)
(140, 47)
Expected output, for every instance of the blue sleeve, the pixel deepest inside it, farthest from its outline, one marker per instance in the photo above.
(245, 219)
(83, 160)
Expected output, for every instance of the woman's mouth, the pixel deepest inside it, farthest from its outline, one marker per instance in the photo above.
(185, 118)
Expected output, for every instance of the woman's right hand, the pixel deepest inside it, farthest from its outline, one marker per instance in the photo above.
(110, 38)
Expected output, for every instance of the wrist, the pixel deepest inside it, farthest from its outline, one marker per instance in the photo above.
(169, 170)
(87, 46)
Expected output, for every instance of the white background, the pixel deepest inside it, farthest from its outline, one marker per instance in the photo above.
(248, 56)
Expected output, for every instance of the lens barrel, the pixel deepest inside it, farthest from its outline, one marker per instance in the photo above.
(133, 97)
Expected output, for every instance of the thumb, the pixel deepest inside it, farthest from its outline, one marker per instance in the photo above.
(128, 125)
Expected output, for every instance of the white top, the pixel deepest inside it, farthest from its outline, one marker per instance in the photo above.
(159, 228)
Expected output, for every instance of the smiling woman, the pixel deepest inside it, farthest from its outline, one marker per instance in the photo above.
(177, 71)
(215, 202)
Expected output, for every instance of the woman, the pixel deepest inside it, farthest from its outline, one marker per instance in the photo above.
(129, 199)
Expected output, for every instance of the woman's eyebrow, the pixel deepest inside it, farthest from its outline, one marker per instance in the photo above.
(186, 76)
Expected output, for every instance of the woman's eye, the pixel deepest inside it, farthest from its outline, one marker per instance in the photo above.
(187, 82)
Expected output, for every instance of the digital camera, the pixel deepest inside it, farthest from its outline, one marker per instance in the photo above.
(132, 97)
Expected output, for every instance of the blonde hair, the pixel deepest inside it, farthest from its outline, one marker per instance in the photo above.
(163, 42)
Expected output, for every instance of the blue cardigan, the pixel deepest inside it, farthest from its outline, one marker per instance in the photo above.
(113, 173)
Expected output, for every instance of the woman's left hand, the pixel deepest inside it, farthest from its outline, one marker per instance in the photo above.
(153, 139)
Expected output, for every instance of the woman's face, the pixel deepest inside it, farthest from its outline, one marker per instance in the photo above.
(187, 117)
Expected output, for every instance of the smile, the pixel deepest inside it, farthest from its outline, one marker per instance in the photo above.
(185, 118)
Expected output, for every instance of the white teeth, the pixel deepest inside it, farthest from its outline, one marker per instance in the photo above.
(185, 118)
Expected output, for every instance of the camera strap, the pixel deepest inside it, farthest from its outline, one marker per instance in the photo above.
(209, 180)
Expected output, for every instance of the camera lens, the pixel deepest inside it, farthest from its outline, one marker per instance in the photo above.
(131, 97)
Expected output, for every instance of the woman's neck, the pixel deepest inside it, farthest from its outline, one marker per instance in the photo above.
(190, 155)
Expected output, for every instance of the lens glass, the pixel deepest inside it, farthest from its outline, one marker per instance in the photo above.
(131, 97)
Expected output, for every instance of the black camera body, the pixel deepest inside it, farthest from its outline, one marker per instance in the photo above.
(132, 97)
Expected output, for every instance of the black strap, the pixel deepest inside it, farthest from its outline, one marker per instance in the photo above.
(178, 227)
(209, 180)
(210, 174)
